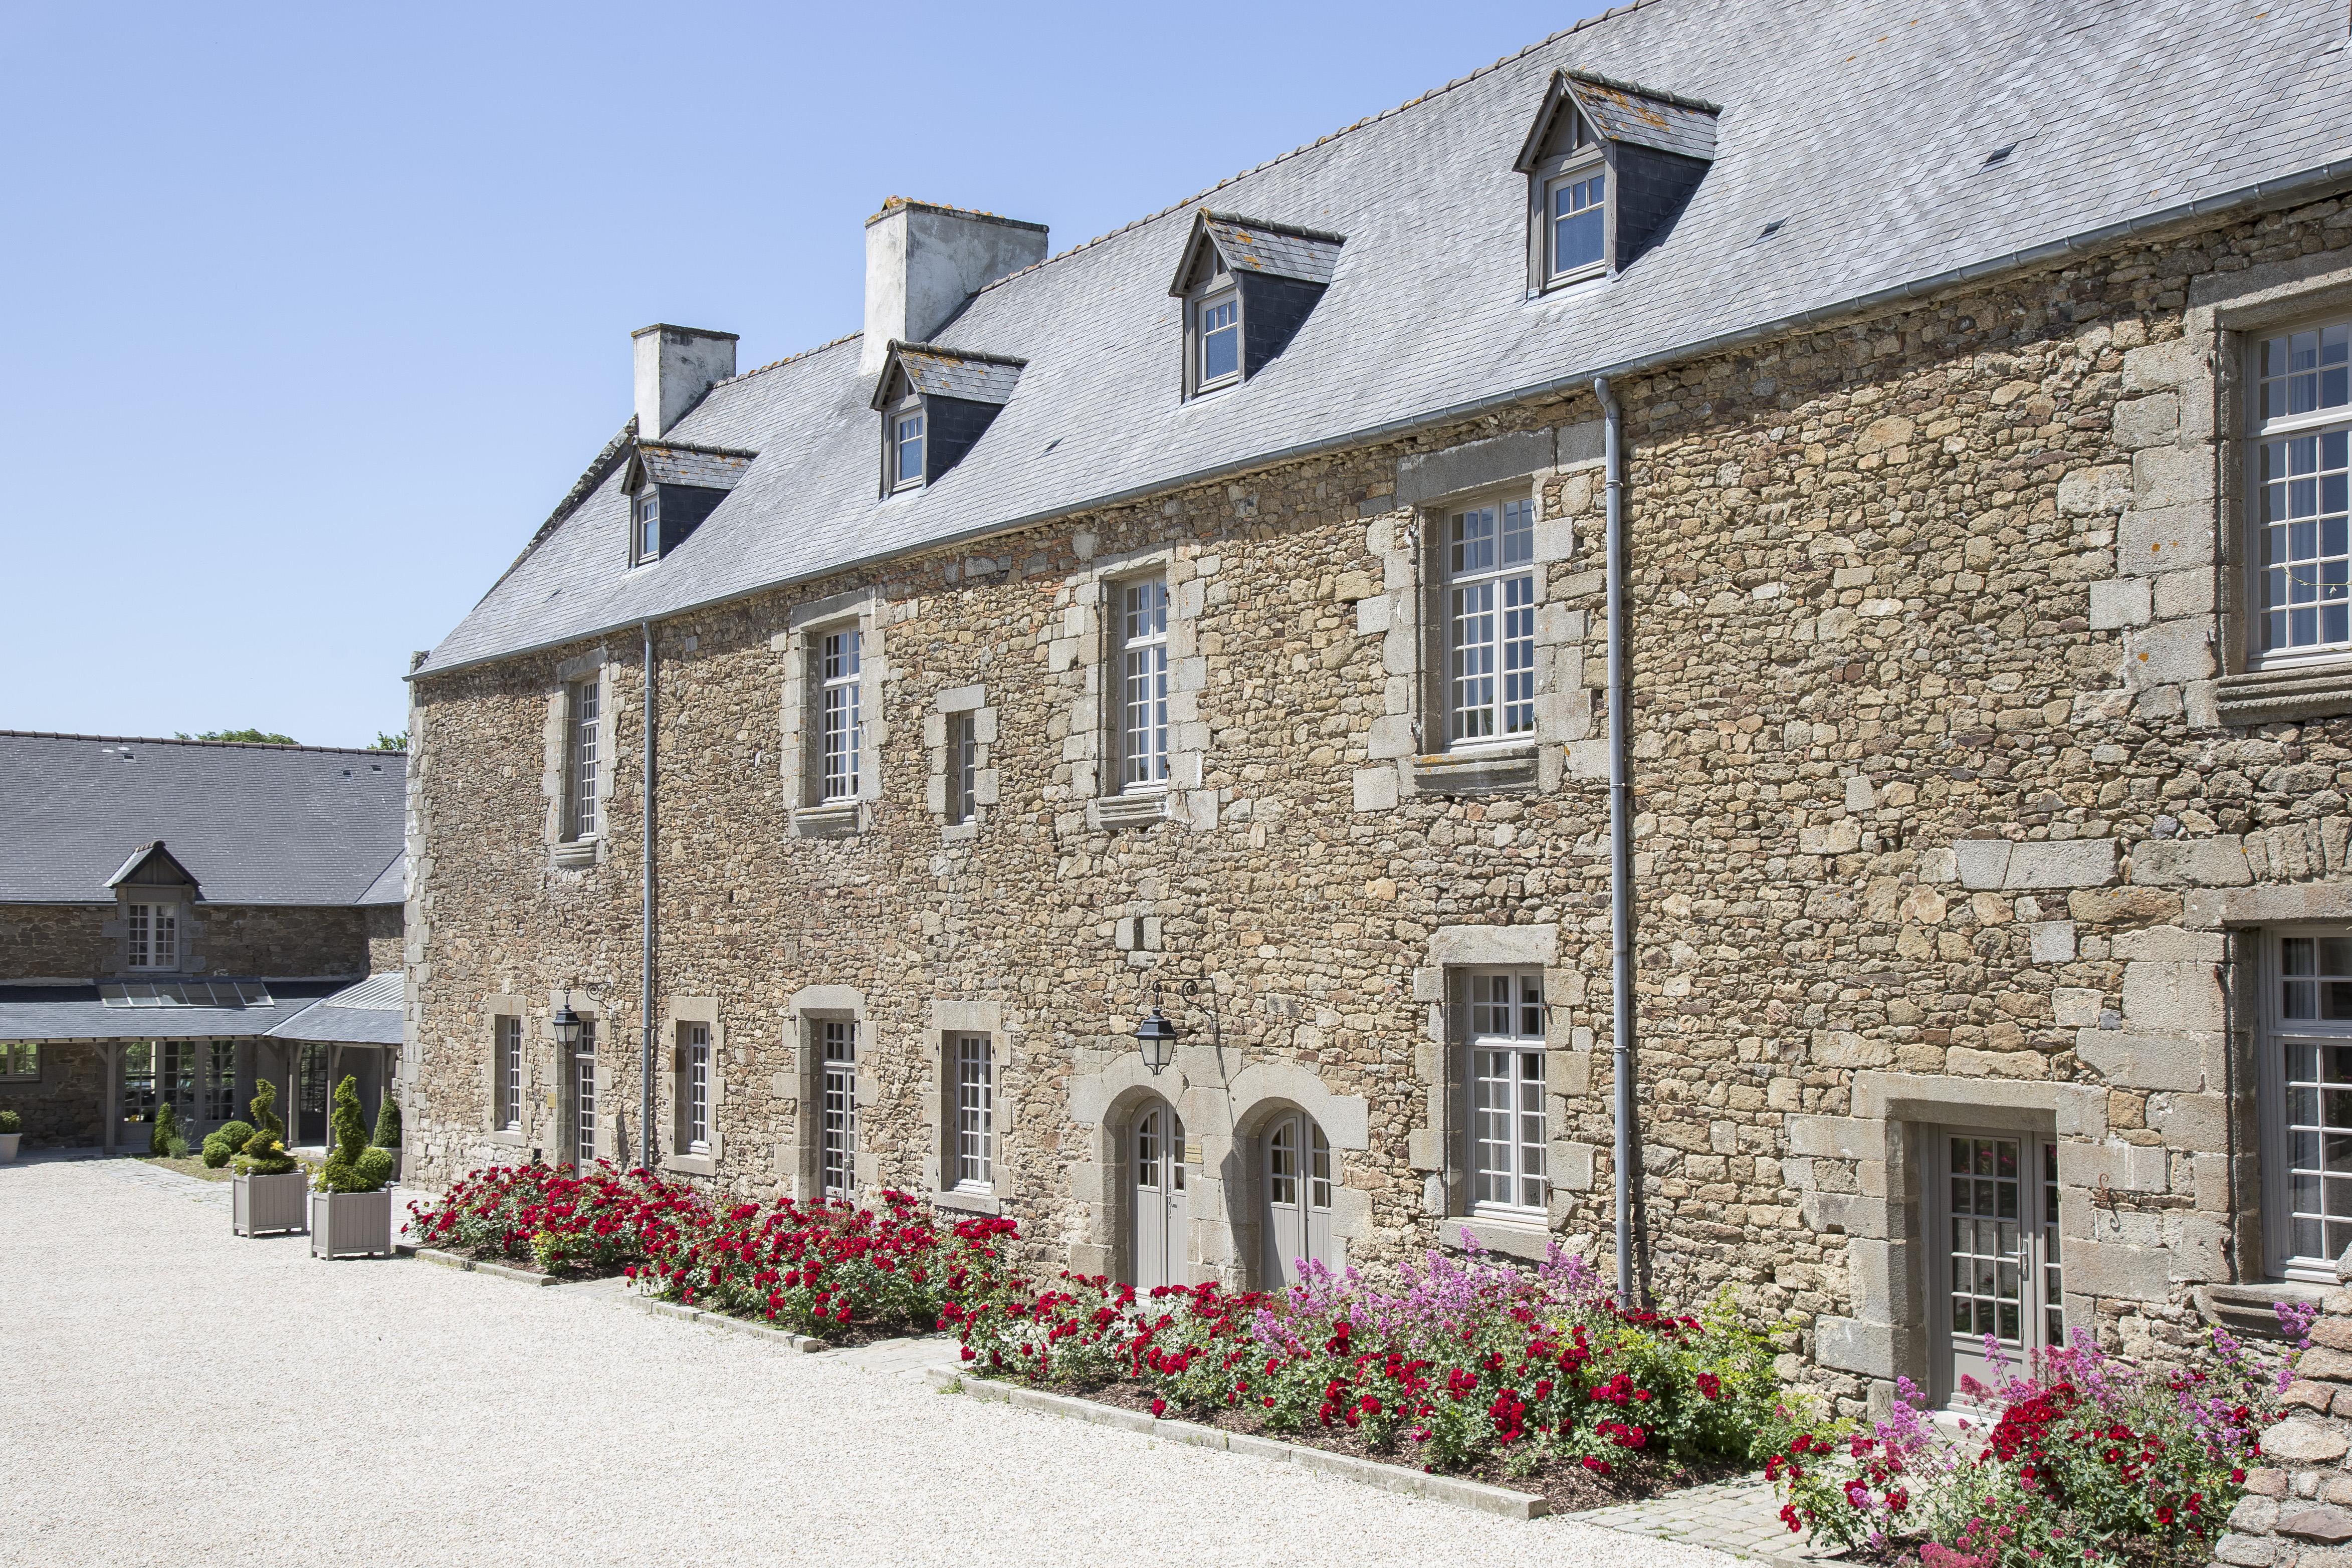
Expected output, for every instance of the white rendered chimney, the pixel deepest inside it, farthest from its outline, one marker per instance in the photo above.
(923, 262)
(675, 366)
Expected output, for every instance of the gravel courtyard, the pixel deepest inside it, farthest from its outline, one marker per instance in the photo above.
(174, 1394)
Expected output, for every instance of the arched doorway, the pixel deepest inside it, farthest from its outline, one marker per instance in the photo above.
(1297, 1186)
(1156, 1158)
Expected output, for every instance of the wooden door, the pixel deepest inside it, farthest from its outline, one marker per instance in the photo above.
(1998, 1257)
(1297, 1175)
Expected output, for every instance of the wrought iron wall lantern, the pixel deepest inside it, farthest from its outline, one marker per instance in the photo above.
(568, 1027)
(1157, 1035)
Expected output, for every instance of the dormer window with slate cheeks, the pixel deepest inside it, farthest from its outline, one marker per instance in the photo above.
(671, 488)
(936, 404)
(1247, 288)
(1609, 168)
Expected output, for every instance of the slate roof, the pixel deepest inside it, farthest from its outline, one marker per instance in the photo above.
(705, 467)
(75, 1012)
(937, 372)
(1861, 127)
(1624, 112)
(391, 884)
(253, 824)
(1309, 255)
(366, 1014)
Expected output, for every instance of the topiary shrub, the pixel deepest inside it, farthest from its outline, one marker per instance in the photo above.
(11, 1123)
(264, 1152)
(350, 1168)
(387, 1123)
(216, 1151)
(231, 1135)
(166, 1131)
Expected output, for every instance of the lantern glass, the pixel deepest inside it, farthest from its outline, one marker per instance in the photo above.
(567, 1028)
(1157, 1039)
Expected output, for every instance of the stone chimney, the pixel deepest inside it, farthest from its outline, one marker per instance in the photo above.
(675, 365)
(923, 262)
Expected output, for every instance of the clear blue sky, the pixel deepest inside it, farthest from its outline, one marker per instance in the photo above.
(315, 311)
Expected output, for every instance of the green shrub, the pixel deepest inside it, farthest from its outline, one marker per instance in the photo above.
(166, 1131)
(348, 1168)
(217, 1152)
(387, 1123)
(11, 1123)
(264, 1152)
(232, 1136)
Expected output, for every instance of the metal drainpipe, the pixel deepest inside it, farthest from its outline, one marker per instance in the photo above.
(1621, 839)
(645, 955)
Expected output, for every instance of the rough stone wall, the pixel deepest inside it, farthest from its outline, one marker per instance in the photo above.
(1928, 831)
(387, 944)
(2297, 1512)
(54, 941)
(272, 941)
(63, 1106)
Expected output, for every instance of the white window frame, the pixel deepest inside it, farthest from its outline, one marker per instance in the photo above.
(644, 508)
(2325, 425)
(506, 1073)
(837, 654)
(152, 936)
(2280, 1111)
(974, 1058)
(584, 713)
(896, 438)
(1217, 293)
(1519, 1041)
(1488, 605)
(1585, 157)
(962, 765)
(694, 1089)
(834, 1042)
(1138, 682)
(20, 1061)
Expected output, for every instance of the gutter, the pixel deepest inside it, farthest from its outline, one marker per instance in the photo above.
(1620, 838)
(2263, 195)
(645, 929)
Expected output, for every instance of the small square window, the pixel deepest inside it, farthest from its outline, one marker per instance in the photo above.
(906, 450)
(1220, 340)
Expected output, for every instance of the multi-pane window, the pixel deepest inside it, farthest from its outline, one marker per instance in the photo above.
(1285, 1161)
(1578, 205)
(20, 1059)
(586, 706)
(1506, 1090)
(906, 450)
(2302, 419)
(506, 1073)
(153, 936)
(2312, 1031)
(1143, 683)
(175, 1078)
(648, 537)
(1490, 610)
(837, 1109)
(1220, 338)
(584, 1096)
(695, 1088)
(975, 1117)
(964, 766)
(220, 1082)
(1988, 1279)
(839, 731)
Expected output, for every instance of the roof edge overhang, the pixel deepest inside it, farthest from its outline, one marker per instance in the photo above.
(2263, 195)
(154, 851)
(900, 347)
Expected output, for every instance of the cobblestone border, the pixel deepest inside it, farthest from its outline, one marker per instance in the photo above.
(783, 1337)
(1476, 1495)
(471, 1265)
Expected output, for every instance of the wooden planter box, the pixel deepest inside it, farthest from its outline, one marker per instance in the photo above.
(350, 1224)
(269, 1205)
(8, 1147)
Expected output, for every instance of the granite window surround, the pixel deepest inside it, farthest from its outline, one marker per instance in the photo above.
(1081, 653)
(801, 762)
(532, 1090)
(564, 851)
(801, 1086)
(682, 1013)
(1407, 754)
(950, 1020)
(1438, 1144)
(2181, 513)
(957, 713)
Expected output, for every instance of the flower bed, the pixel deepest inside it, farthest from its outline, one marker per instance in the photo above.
(2090, 1460)
(1534, 1379)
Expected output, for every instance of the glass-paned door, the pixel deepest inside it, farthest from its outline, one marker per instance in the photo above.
(310, 1096)
(138, 1082)
(1506, 1094)
(838, 1107)
(219, 1093)
(1297, 1199)
(175, 1079)
(2001, 1297)
(1157, 1160)
(584, 1109)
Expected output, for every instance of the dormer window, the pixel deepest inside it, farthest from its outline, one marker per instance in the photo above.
(648, 525)
(936, 402)
(907, 448)
(1247, 288)
(1594, 139)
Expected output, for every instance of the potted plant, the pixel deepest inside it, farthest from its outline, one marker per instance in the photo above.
(269, 1184)
(12, 1128)
(351, 1214)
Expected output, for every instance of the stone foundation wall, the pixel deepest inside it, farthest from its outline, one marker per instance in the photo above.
(2298, 1513)
(1934, 826)
(62, 1108)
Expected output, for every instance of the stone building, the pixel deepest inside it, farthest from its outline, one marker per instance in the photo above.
(1212, 621)
(176, 915)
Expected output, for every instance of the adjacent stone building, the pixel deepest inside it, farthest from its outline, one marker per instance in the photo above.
(170, 912)
(1209, 620)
